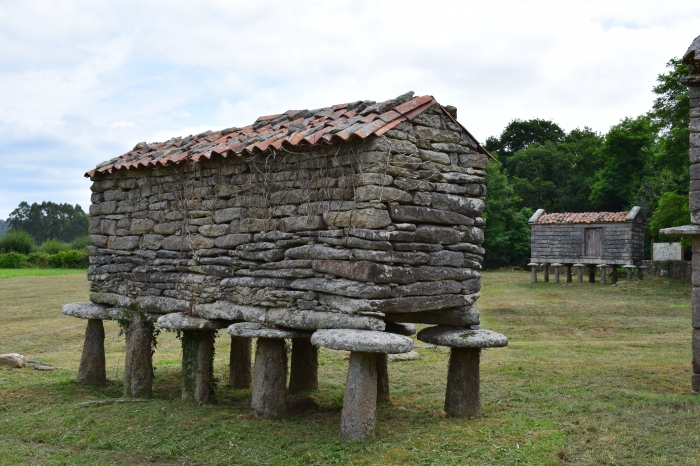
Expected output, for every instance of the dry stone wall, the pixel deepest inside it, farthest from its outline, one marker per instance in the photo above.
(344, 236)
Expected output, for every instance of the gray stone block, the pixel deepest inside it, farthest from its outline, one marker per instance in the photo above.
(180, 321)
(458, 337)
(365, 341)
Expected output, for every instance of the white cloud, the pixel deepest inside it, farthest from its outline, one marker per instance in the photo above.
(81, 82)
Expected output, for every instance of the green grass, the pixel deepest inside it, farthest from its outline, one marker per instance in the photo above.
(593, 374)
(9, 273)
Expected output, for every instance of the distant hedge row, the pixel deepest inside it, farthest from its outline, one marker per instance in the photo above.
(17, 250)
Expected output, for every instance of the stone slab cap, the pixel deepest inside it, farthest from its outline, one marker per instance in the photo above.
(363, 341)
(579, 265)
(253, 330)
(692, 57)
(533, 264)
(600, 266)
(88, 310)
(459, 337)
(180, 321)
(629, 266)
(400, 328)
(683, 231)
(556, 264)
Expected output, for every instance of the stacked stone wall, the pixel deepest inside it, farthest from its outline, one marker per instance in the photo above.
(342, 236)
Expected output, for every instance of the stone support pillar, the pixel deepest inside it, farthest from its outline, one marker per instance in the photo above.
(545, 272)
(303, 375)
(629, 272)
(383, 391)
(197, 365)
(640, 272)
(568, 273)
(462, 398)
(240, 375)
(92, 369)
(533, 272)
(138, 363)
(359, 414)
(579, 272)
(270, 379)
(603, 273)
(613, 275)
(557, 267)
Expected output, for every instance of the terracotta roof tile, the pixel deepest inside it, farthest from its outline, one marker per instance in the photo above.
(581, 217)
(274, 132)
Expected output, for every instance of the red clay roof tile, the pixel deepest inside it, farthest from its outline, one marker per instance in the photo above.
(581, 217)
(273, 132)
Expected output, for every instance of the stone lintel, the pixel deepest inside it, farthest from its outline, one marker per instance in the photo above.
(253, 330)
(460, 337)
(88, 310)
(363, 341)
(685, 231)
(180, 321)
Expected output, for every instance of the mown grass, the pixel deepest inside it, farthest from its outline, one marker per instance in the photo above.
(592, 375)
(9, 273)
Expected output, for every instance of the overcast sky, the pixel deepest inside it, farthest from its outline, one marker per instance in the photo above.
(84, 81)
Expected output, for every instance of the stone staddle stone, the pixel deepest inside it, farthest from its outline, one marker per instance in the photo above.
(92, 311)
(180, 321)
(458, 337)
(462, 397)
(253, 330)
(363, 341)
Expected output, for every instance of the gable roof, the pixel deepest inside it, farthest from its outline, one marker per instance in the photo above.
(542, 218)
(285, 130)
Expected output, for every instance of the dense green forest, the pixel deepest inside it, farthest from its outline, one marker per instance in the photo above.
(641, 161)
(49, 220)
(3, 227)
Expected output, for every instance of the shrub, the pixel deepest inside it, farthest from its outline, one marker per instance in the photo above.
(53, 246)
(38, 259)
(80, 243)
(70, 259)
(12, 260)
(17, 241)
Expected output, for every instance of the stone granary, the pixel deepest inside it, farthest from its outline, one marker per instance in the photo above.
(593, 239)
(353, 221)
(692, 59)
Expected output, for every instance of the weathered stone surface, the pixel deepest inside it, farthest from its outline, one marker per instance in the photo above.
(462, 205)
(269, 396)
(311, 320)
(317, 251)
(254, 330)
(365, 218)
(305, 223)
(214, 231)
(352, 242)
(428, 288)
(342, 287)
(233, 241)
(227, 215)
(458, 317)
(161, 304)
(365, 271)
(103, 208)
(382, 194)
(473, 159)
(140, 226)
(436, 234)
(88, 310)
(255, 282)
(365, 341)
(433, 156)
(123, 242)
(359, 414)
(168, 228)
(13, 360)
(383, 235)
(151, 241)
(473, 235)
(111, 299)
(303, 373)
(458, 337)
(415, 214)
(138, 363)
(407, 304)
(180, 321)
(226, 310)
(449, 258)
(411, 258)
(462, 398)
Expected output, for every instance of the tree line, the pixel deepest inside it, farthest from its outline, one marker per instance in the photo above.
(49, 220)
(641, 161)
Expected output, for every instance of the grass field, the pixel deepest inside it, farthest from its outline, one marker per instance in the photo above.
(593, 374)
(9, 273)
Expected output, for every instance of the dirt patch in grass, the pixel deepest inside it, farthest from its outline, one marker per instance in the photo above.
(593, 374)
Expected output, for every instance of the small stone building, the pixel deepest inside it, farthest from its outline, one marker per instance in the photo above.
(587, 239)
(359, 217)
